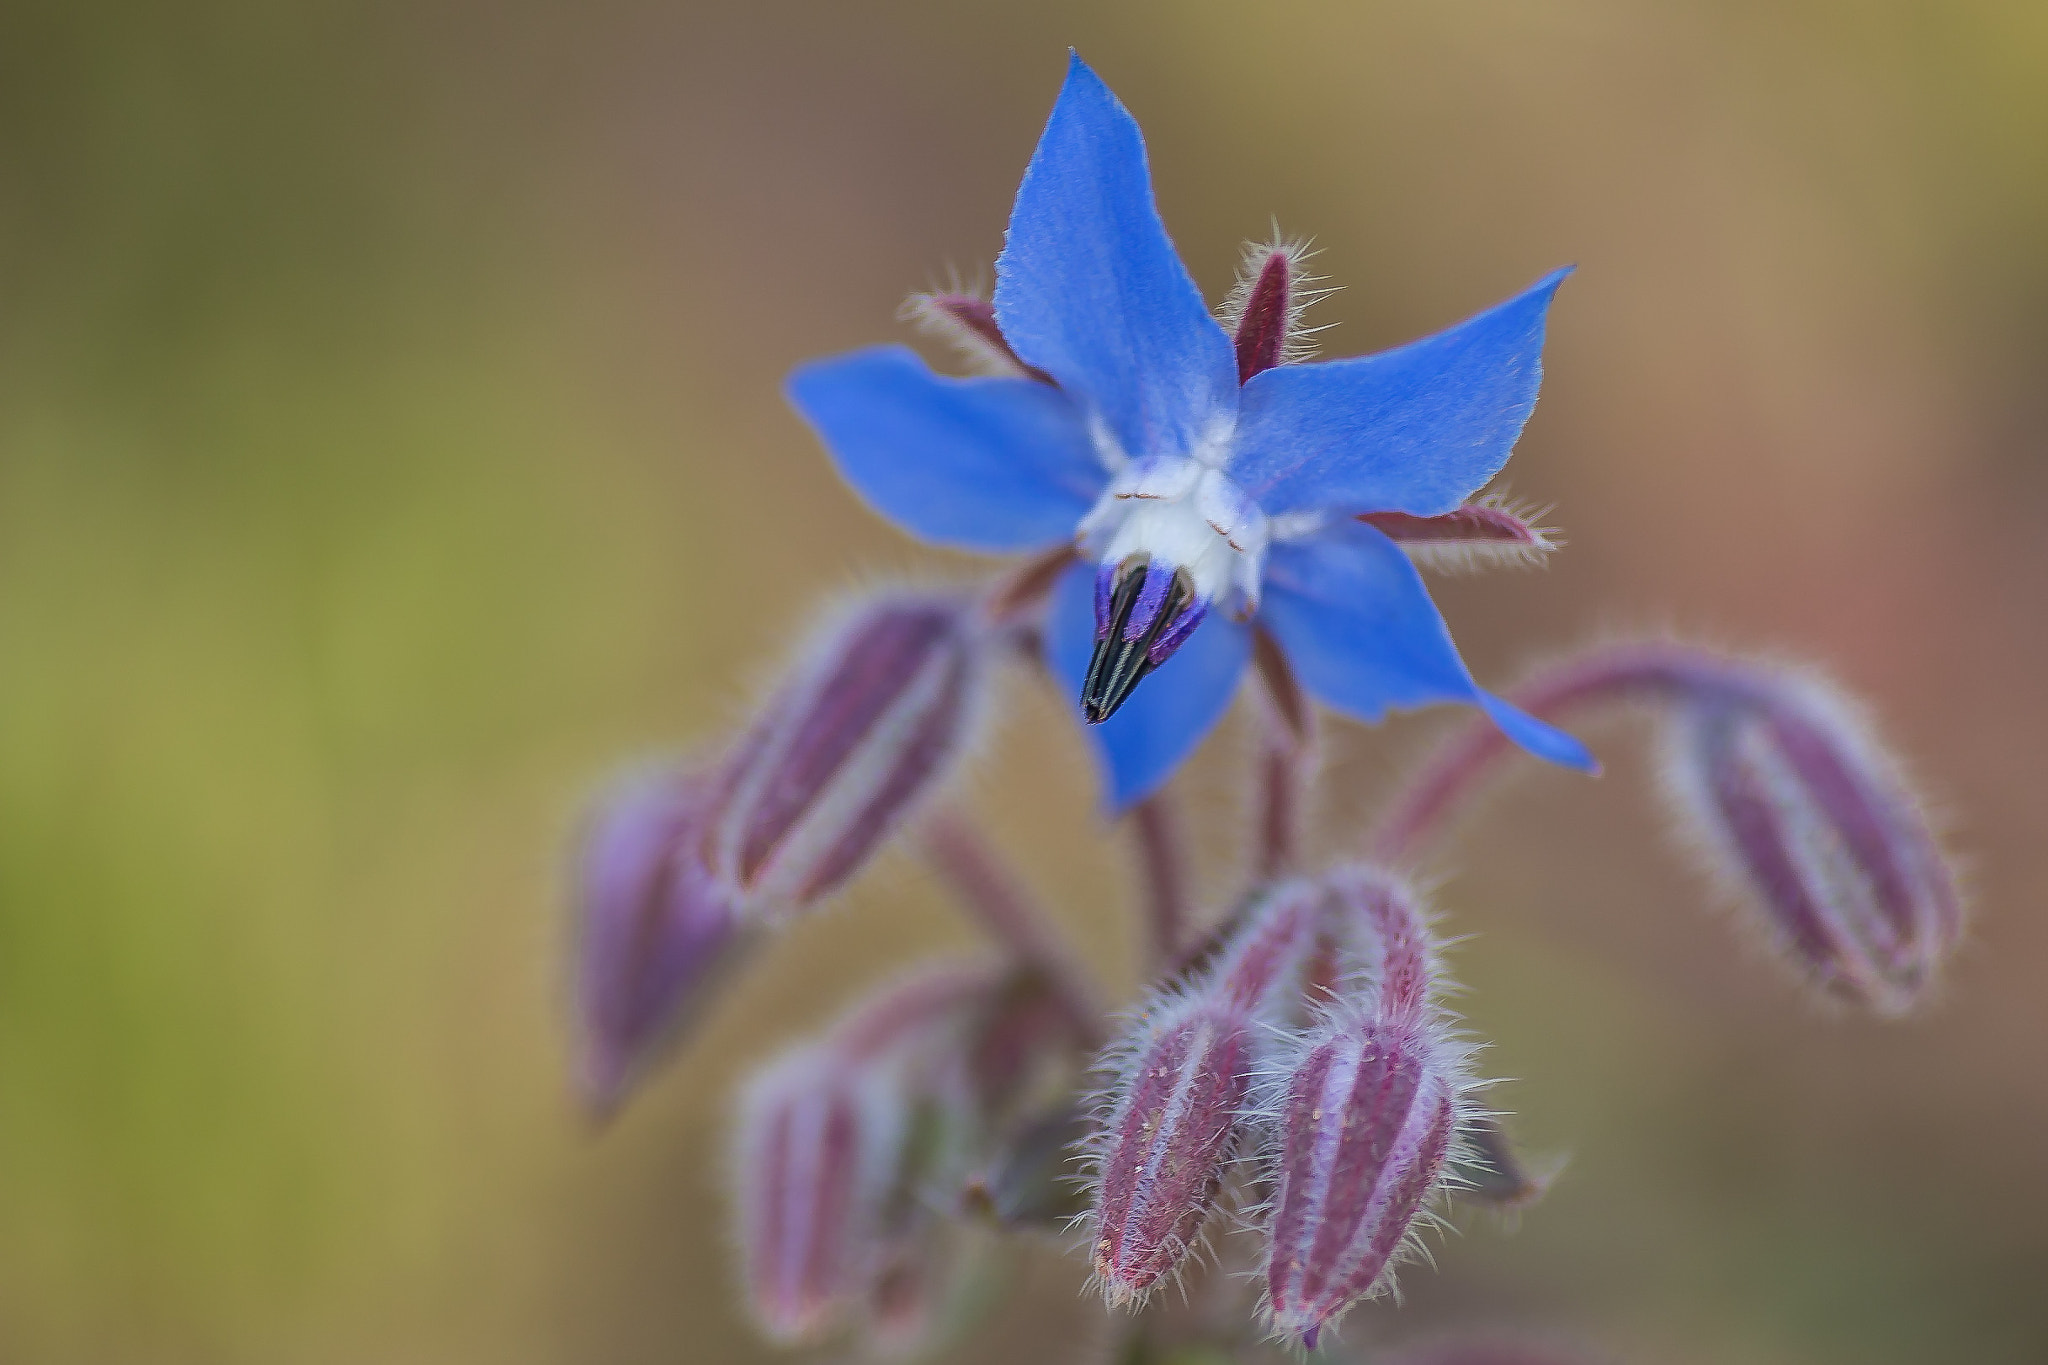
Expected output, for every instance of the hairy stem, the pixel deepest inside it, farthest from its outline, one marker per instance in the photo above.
(1160, 839)
(1427, 803)
(1005, 908)
(1286, 763)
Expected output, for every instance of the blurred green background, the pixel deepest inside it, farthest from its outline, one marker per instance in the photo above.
(390, 443)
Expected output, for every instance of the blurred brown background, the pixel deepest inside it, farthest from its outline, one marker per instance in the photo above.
(390, 442)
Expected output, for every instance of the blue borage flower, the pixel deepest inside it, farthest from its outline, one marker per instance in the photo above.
(1207, 483)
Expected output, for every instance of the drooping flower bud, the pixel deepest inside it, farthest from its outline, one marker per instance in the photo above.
(657, 934)
(1176, 1100)
(1384, 941)
(1803, 814)
(1363, 1113)
(867, 727)
(1365, 1119)
(817, 1147)
(845, 1143)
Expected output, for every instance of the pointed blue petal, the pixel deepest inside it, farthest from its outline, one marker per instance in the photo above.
(1090, 289)
(1416, 429)
(979, 464)
(1169, 714)
(1540, 738)
(1358, 626)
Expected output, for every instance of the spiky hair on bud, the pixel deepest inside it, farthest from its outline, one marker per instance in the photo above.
(837, 1141)
(1493, 531)
(814, 1158)
(1800, 814)
(657, 937)
(1363, 1116)
(882, 705)
(1263, 311)
(1169, 1117)
(1362, 1125)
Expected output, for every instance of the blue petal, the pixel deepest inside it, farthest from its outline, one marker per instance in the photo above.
(1357, 624)
(1416, 429)
(1169, 714)
(1090, 290)
(980, 464)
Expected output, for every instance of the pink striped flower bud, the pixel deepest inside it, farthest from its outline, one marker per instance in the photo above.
(817, 1145)
(1385, 948)
(867, 726)
(1364, 1114)
(1804, 816)
(1366, 1117)
(1176, 1101)
(840, 1145)
(657, 933)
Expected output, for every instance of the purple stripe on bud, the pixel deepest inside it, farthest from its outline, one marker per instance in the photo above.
(657, 933)
(1802, 812)
(1364, 1118)
(1179, 1085)
(817, 1145)
(838, 1146)
(1384, 935)
(869, 725)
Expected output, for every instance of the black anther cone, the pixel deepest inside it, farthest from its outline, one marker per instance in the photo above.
(1119, 665)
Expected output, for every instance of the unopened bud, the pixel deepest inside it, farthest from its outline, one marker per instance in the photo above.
(657, 933)
(837, 1144)
(817, 1147)
(1178, 1091)
(1803, 814)
(1386, 949)
(1364, 1117)
(869, 725)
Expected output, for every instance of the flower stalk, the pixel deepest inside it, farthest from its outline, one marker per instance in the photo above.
(989, 890)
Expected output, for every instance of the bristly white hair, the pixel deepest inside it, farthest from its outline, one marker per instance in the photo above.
(1297, 344)
(1529, 548)
(979, 354)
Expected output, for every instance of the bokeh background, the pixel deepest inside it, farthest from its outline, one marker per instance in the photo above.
(390, 443)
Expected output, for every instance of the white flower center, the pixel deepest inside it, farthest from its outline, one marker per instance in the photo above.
(1183, 513)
